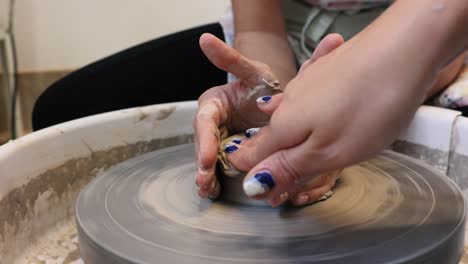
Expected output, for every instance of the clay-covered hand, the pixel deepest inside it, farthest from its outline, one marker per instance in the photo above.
(228, 109)
(330, 117)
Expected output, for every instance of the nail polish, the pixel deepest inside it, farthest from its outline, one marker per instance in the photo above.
(260, 183)
(237, 141)
(264, 99)
(251, 132)
(230, 149)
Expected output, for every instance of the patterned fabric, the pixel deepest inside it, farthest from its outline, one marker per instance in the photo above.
(349, 5)
(456, 95)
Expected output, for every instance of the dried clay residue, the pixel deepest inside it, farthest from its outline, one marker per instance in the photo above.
(165, 113)
(58, 246)
(26, 211)
(161, 114)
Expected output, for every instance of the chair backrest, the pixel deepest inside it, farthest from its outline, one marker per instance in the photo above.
(6, 12)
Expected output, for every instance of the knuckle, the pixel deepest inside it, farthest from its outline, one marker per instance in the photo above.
(242, 160)
(289, 171)
(250, 159)
(197, 120)
(331, 157)
(204, 95)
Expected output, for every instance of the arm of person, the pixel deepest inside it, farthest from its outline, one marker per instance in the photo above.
(260, 34)
(423, 36)
(365, 92)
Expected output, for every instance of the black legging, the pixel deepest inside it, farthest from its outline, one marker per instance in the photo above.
(168, 69)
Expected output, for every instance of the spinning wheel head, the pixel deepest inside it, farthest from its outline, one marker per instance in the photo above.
(390, 209)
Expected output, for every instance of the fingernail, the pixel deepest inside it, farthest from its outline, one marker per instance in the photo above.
(230, 149)
(238, 141)
(260, 183)
(302, 199)
(264, 99)
(251, 132)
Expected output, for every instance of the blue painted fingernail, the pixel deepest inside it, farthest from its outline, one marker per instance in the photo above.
(230, 149)
(264, 99)
(238, 141)
(251, 132)
(260, 183)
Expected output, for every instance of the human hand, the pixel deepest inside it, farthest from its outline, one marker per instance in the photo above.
(329, 117)
(233, 107)
(317, 189)
(227, 109)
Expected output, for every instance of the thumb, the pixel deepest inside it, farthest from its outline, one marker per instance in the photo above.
(227, 58)
(328, 44)
(282, 172)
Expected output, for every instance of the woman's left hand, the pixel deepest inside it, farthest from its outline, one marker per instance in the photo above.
(228, 109)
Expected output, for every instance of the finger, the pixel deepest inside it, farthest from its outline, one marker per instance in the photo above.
(308, 197)
(263, 142)
(314, 183)
(213, 192)
(227, 58)
(309, 193)
(244, 157)
(206, 125)
(227, 148)
(285, 170)
(326, 45)
(268, 104)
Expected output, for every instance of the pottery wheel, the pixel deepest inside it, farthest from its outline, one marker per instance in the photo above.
(390, 209)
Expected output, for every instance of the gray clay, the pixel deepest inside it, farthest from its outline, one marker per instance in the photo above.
(390, 209)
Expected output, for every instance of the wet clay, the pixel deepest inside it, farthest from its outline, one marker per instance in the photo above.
(147, 208)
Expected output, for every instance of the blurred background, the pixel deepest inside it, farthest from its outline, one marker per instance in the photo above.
(55, 37)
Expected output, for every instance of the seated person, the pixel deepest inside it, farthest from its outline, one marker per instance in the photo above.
(391, 53)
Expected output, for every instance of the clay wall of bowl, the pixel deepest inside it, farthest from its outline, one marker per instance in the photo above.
(41, 174)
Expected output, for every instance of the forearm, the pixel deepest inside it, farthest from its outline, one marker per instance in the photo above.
(260, 35)
(413, 40)
(438, 28)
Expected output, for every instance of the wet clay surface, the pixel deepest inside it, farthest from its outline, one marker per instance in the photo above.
(51, 195)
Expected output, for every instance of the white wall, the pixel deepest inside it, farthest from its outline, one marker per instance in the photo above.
(66, 34)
